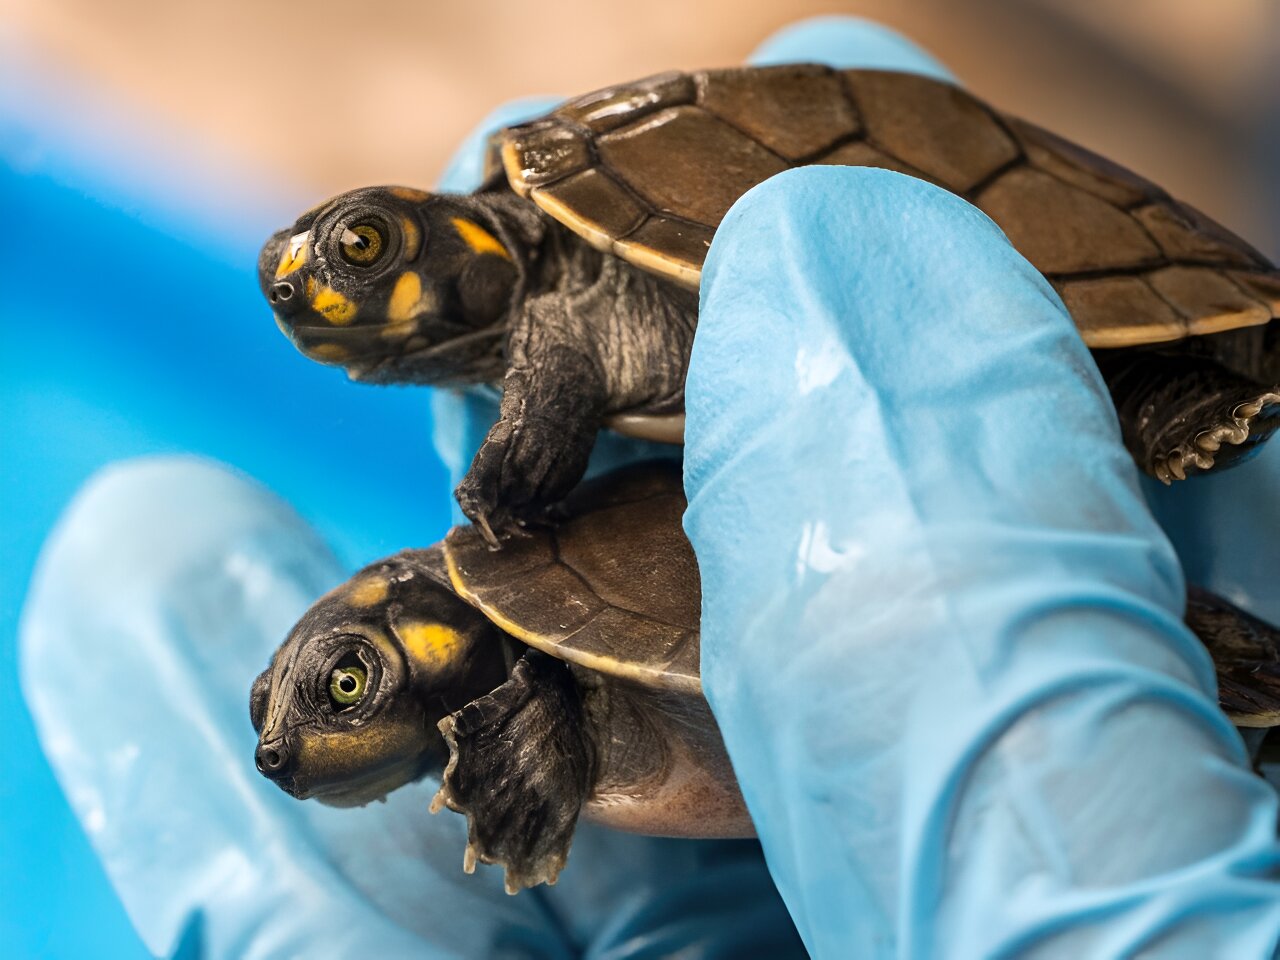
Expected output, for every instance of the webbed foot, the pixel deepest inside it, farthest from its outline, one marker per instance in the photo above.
(521, 765)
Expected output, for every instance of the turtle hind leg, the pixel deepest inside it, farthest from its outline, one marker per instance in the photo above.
(1182, 414)
(521, 765)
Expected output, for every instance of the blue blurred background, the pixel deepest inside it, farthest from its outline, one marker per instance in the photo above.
(147, 150)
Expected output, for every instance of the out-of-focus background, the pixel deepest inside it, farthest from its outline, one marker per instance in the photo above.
(148, 148)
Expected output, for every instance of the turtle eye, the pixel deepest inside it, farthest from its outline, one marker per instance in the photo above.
(347, 685)
(362, 244)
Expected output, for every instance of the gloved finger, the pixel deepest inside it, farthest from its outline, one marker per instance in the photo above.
(941, 632)
(162, 593)
(1224, 526)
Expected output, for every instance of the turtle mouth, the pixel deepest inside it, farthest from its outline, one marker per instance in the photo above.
(291, 786)
(358, 789)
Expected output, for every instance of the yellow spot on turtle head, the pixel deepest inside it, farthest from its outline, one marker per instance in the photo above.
(329, 352)
(333, 306)
(368, 591)
(408, 300)
(409, 193)
(478, 238)
(430, 645)
(311, 287)
(412, 238)
(295, 254)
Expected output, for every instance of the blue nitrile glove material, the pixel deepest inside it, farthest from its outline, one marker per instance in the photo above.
(929, 578)
(941, 630)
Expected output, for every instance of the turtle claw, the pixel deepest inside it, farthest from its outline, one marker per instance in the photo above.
(486, 531)
(1234, 435)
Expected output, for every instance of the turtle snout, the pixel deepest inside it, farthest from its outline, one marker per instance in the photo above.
(274, 759)
(280, 293)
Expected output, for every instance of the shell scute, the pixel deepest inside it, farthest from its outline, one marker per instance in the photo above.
(1062, 237)
(686, 162)
(607, 109)
(795, 112)
(935, 127)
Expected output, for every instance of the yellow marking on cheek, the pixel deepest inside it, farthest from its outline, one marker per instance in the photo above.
(333, 306)
(409, 193)
(478, 238)
(367, 591)
(311, 287)
(412, 238)
(433, 645)
(330, 352)
(407, 299)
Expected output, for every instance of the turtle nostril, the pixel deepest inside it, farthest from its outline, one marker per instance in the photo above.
(280, 292)
(272, 759)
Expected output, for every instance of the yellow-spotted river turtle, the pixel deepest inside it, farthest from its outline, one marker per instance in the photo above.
(557, 677)
(570, 276)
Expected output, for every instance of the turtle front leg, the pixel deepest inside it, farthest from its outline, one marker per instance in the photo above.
(553, 401)
(521, 766)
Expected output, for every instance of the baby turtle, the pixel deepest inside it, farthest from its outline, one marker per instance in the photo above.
(562, 676)
(571, 275)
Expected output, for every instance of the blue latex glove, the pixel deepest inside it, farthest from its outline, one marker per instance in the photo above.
(941, 630)
(903, 608)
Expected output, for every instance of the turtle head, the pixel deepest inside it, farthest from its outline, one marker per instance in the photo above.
(395, 285)
(347, 710)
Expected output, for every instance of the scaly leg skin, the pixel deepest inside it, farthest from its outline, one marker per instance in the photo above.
(609, 339)
(539, 448)
(521, 765)
(1183, 414)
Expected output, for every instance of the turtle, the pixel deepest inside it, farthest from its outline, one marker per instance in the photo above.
(570, 276)
(558, 677)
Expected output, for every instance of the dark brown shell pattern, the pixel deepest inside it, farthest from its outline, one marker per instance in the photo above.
(647, 171)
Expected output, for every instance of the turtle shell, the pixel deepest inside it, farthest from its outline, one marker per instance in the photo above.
(613, 587)
(647, 170)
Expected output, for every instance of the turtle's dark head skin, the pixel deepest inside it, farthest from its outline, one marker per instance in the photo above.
(347, 710)
(398, 285)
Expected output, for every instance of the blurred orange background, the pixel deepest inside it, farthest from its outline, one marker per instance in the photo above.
(327, 95)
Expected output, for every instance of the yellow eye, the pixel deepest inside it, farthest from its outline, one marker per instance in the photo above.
(362, 244)
(347, 685)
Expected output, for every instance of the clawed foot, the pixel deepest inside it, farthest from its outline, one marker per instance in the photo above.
(1245, 421)
(520, 768)
(520, 471)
